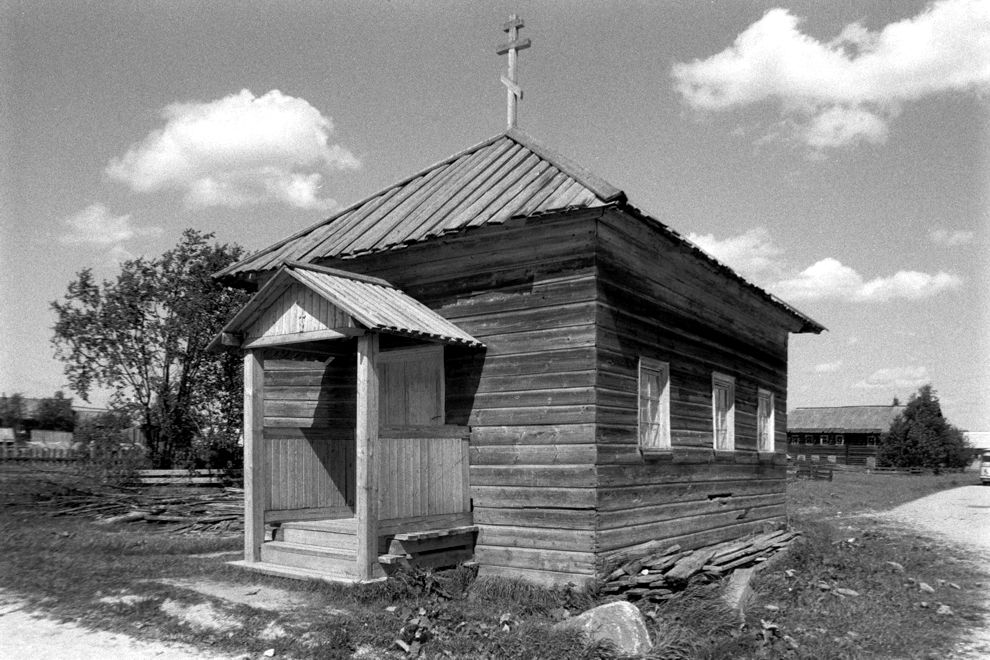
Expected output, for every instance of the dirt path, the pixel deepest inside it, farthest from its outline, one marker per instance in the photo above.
(960, 516)
(24, 634)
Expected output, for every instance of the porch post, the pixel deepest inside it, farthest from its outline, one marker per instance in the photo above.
(366, 433)
(254, 481)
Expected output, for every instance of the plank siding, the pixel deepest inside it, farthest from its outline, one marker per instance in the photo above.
(528, 291)
(657, 300)
(309, 417)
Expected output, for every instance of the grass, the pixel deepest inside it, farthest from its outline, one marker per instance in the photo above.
(73, 569)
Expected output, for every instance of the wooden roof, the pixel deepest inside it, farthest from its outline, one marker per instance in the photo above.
(342, 304)
(506, 176)
(842, 419)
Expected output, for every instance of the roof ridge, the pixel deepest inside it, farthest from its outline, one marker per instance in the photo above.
(336, 272)
(605, 190)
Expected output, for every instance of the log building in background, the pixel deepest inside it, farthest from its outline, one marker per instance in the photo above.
(847, 435)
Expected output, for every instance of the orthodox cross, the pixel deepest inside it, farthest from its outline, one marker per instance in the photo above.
(515, 44)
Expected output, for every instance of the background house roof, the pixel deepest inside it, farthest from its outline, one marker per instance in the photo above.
(842, 419)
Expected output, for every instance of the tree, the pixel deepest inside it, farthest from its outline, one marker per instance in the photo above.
(12, 411)
(145, 334)
(921, 437)
(55, 414)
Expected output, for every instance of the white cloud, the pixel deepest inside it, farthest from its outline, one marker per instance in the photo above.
(753, 255)
(237, 151)
(830, 279)
(951, 238)
(896, 377)
(828, 367)
(95, 224)
(844, 91)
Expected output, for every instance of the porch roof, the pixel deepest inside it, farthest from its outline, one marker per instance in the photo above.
(358, 303)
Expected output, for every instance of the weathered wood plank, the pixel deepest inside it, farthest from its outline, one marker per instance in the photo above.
(574, 476)
(561, 561)
(254, 456)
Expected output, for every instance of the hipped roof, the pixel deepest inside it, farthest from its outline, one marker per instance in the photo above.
(842, 419)
(506, 176)
(373, 303)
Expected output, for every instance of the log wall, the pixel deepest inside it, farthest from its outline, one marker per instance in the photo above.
(527, 290)
(565, 304)
(658, 300)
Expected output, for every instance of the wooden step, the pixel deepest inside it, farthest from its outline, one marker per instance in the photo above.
(431, 540)
(336, 538)
(292, 572)
(434, 548)
(326, 561)
(435, 533)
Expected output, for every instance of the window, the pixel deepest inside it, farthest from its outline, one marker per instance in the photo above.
(871, 440)
(840, 439)
(764, 420)
(654, 405)
(823, 440)
(724, 411)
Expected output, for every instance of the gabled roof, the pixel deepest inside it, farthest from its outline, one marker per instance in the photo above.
(357, 303)
(505, 176)
(842, 419)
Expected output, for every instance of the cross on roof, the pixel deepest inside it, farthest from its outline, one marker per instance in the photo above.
(515, 44)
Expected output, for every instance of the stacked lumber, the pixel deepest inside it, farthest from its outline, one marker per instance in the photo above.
(660, 574)
(190, 512)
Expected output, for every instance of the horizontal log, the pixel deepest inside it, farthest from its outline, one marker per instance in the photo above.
(561, 561)
(538, 476)
(533, 518)
(519, 496)
(533, 435)
(536, 455)
(538, 537)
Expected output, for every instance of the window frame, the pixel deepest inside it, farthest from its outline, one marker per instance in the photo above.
(770, 423)
(651, 366)
(728, 383)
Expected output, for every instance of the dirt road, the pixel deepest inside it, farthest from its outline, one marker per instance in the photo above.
(29, 635)
(961, 517)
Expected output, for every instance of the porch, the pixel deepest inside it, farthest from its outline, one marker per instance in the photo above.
(349, 467)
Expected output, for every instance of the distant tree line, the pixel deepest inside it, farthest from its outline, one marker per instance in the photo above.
(53, 413)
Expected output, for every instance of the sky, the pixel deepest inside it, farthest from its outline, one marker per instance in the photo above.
(835, 153)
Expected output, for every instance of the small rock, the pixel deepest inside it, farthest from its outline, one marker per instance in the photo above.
(391, 608)
(824, 586)
(894, 565)
(847, 592)
(923, 604)
(790, 572)
(954, 585)
(771, 608)
(945, 609)
(270, 653)
(927, 588)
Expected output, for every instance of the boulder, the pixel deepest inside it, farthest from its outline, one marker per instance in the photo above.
(620, 623)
